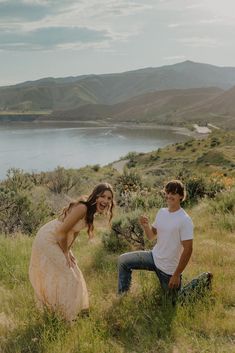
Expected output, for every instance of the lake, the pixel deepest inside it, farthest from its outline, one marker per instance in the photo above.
(44, 146)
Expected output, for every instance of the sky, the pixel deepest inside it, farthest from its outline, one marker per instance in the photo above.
(55, 38)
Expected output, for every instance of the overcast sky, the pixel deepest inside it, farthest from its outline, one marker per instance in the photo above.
(58, 38)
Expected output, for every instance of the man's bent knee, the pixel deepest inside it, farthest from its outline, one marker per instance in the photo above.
(122, 260)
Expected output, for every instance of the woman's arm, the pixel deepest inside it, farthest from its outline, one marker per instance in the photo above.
(77, 212)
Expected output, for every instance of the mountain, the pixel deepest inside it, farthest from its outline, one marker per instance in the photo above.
(171, 107)
(160, 107)
(224, 104)
(73, 92)
(219, 110)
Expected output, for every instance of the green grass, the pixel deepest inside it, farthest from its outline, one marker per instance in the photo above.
(198, 156)
(141, 321)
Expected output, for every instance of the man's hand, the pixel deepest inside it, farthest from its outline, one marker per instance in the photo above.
(174, 281)
(149, 230)
(144, 221)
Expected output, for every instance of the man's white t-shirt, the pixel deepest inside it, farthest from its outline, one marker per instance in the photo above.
(172, 228)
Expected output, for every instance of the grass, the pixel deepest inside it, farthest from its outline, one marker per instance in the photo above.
(197, 156)
(139, 322)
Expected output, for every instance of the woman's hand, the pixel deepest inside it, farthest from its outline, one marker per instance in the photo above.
(72, 259)
(68, 259)
(64, 247)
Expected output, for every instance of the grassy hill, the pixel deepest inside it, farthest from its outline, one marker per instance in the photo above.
(171, 107)
(141, 322)
(161, 107)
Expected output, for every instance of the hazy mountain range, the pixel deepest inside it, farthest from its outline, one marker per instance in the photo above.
(174, 94)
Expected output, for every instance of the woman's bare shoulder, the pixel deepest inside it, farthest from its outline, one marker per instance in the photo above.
(82, 207)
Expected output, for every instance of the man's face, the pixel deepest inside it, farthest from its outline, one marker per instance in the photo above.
(173, 200)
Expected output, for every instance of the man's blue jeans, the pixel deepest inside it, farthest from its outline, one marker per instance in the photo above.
(140, 260)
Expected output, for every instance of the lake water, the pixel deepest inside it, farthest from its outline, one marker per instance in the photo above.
(43, 147)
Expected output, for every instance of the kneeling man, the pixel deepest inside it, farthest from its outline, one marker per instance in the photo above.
(174, 231)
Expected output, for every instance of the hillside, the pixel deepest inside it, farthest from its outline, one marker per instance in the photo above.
(161, 107)
(214, 155)
(225, 103)
(142, 321)
(173, 107)
(72, 92)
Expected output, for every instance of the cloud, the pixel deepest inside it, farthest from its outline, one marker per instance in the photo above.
(175, 58)
(51, 38)
(21, 10)
(174, 25)
(33, 10)
(206, 22)
(123, 7)
(49, 24)
(199, 42)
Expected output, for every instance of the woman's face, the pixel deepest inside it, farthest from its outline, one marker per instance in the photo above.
(104, 201)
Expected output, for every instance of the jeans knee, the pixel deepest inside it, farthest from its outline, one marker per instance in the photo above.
(122, 261)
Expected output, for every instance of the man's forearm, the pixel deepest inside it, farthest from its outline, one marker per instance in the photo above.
(184, 259)
(149, 232)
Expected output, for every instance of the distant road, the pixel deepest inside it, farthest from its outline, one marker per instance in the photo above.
(119, 166)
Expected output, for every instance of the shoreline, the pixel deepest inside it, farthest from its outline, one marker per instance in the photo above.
(182, 131)
(196, 133)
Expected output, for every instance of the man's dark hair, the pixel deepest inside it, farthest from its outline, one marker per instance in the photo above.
(175, 187)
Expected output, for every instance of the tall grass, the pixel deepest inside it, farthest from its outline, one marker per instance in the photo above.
(142, 321)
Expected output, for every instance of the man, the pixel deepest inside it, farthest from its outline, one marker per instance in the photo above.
(174, 231)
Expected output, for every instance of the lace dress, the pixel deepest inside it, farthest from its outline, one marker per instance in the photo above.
(56, 286)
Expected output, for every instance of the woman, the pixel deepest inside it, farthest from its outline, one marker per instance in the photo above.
(57, 281)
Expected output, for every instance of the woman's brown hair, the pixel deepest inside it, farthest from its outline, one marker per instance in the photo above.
(90, 203)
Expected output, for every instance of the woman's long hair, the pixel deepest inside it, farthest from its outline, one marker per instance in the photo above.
(90, 203)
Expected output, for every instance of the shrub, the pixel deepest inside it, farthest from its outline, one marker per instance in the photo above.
(188, 143)
(223, 209)
(132, 160)
(127, 184)
(17, 180)
(214, 141)
(130, 155)
(198, 187)
(131, 163)
(154, 156)
(19, 213)
(145, 200)
(61, 180)
(223, 203)
(96, 167)
(155, 201)
(126, 233)
(213, 157)
(180, 148)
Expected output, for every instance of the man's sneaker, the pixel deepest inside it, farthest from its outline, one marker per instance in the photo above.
(196, 288)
